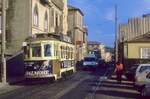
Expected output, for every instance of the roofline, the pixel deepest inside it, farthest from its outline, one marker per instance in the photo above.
(75, 9)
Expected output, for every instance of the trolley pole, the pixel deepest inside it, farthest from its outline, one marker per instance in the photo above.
(116, 34)
(3, 45)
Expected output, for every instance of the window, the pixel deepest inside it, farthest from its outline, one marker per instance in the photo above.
(61, 50)
(36, 50)
(46, 22)
(145, 53)
(0, 24)
(26, 51)
(72, 53)
(52, 17)
(54, 49)
(57, 20)
(143, 68)
(35, 16)
(47, 50)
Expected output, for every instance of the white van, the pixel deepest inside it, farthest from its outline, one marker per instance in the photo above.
(90, 62)
(141, 78)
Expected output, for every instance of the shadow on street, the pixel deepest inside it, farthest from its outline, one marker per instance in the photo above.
(121, 94)
(123, 90)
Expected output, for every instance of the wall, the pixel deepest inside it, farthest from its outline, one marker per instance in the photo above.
(17, 24)
(134, 49)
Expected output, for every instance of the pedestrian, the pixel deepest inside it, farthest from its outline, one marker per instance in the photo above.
(119, 71)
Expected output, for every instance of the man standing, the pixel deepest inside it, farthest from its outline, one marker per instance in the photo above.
(119, 71)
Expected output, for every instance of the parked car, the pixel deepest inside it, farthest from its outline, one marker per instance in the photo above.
(141, 78)
(90, 62)
(130, 73)
(145, 90)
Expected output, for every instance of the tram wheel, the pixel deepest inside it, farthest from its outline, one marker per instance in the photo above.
(64, 76)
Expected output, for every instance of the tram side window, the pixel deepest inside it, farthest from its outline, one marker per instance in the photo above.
(26, 51)
(36, 51)
(71, 53)
(61, 51)
(47, 50)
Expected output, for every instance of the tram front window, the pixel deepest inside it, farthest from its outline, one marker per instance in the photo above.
(26, 51)
(47, 50)
(36, 50)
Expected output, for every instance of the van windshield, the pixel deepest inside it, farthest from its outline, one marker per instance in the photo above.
(89, 59)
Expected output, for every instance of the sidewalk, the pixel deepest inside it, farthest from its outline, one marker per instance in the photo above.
(7, 88)
(4, 88)
(14, 80)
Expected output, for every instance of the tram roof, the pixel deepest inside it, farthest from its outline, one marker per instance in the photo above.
(46, 37)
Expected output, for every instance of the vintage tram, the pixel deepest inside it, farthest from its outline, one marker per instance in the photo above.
(48, 57)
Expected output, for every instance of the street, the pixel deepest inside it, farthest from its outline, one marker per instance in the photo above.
(82, 85)
(74, 49)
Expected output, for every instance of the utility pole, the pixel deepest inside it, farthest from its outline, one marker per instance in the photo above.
(3, 45)
(116, 33)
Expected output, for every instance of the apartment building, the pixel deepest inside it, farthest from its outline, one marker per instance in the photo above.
(77, 31)
(25, 18)
(134, 43)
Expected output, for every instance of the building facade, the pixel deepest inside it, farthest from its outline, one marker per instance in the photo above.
(25, 18)
(134, 41)
(77, 31)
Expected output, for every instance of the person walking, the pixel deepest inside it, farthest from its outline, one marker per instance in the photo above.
(119, 71)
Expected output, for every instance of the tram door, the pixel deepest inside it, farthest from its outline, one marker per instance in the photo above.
(56, 67)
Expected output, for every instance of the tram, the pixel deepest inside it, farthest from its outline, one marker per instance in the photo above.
(48, 57)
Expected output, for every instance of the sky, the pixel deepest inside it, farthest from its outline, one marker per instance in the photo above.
(99, 16)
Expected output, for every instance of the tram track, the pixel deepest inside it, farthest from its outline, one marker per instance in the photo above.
(98, 84)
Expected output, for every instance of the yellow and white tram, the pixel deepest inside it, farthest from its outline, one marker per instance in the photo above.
(48, 58)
